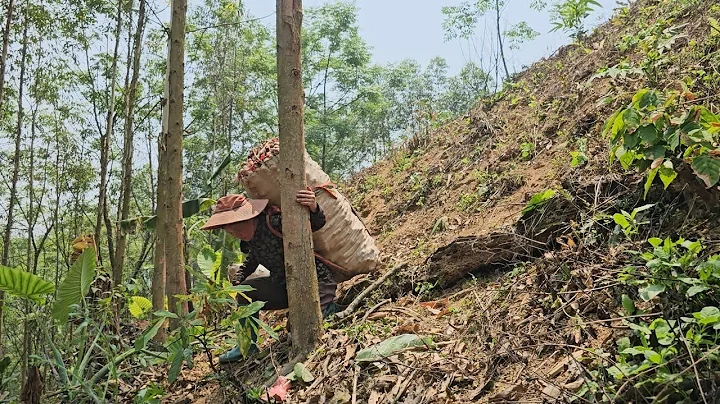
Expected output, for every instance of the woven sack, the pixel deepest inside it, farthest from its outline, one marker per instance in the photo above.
(344, 240)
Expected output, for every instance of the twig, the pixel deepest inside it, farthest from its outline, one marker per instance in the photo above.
(372, 309)
(355, 380)
(284, 370)
(355, 303)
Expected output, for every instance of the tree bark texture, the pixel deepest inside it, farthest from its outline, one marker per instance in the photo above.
(128, 149)
(302, 284)
(173, 133)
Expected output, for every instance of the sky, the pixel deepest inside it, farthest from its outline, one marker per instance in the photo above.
(404, 29)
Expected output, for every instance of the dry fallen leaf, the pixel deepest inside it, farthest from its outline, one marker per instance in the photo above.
(407, 328)
(374, 397)
(510, 393)
(279, 390)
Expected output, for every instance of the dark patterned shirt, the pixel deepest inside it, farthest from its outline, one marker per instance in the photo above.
(266, 249)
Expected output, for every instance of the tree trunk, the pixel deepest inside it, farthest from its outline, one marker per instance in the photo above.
(15, 174)
(302, 284)
(105, 138)
(125, 189)
(159, 279)
(5, 44)
(173, 135)
(500, 41)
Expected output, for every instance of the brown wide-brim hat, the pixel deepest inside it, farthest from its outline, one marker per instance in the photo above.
(234, 208)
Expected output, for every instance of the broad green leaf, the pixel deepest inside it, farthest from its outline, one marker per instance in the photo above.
(708, 315)
(663, 331)
(390, 346)
(653, 356)
(76, 284)
(621, 220)
(302, 373)
(654, 152)
(667, 173)
(648, 134)
(139, 306)
(538, 200)
(628, 305)
(633, 351)
(651, 291)
(206, 261)
(24, 284)
(694, 290)
(631, 119)
(655, 242)
(708, 169)
(626, 159)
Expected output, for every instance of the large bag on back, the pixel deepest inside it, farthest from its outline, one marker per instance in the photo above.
(344, 240)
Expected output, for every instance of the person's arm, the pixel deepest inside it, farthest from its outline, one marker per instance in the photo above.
(307, 199)
(249, 266)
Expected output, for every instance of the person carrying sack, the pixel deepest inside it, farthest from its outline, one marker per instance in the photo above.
(259, 225)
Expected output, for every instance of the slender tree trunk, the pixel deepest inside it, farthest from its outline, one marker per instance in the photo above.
(125, 190)
(159, 280)
(27, 348)
(500, 41)
(173, 136)
(105, 138)
(15, 173)
(5, 44)
(302, 283)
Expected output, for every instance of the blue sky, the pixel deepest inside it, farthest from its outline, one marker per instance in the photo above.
(403, 29)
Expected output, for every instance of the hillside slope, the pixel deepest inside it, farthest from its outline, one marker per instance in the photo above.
(551, 303)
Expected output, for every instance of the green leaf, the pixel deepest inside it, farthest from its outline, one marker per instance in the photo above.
(667, 173)
(651, 291)
(24, 284)
(653, 356)
(694, 290)
(165, 314)
(76, 284)
(250, 309)
(392, 345)
(148, 334)
(139, 306)
(628, 305)
(663, 331)
(655, 242)
(578, 158)
(176, 366)
(631, 119)
(301, 371)
(206, 262)
(621, 220)
(648, 182)
(708, 169)
(267, 328)
(538, 200)
(654, 152)
(626, 159)
(648, 134)
(708, 315)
